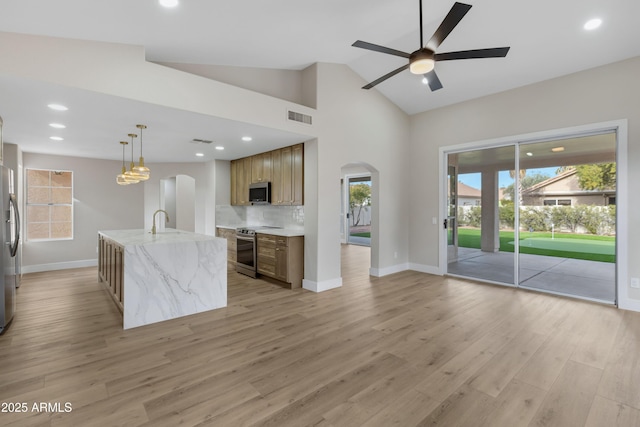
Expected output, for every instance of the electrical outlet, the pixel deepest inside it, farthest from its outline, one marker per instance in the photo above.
(395, 255)
(434, 221)
(635, 282)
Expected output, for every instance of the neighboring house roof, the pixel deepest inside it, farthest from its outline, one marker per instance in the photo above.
(565, 183)
(465, 190)
(547, 182)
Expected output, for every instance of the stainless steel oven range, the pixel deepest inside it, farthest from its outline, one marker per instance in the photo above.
(246, 251)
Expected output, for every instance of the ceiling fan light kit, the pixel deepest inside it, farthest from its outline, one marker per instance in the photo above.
(422, 61)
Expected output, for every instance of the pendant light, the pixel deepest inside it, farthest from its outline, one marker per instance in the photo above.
(131, 174)
(123, 179)
(141, 170)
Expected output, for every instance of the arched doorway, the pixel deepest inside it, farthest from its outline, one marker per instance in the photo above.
(177, 197)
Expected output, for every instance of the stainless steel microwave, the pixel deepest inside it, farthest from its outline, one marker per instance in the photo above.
(260, 193)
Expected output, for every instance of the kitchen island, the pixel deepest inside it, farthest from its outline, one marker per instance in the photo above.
(157, 277)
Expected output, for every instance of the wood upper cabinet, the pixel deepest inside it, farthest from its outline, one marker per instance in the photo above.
(287, 186)
(286, 177)
(240, 180)
(234, 182)
(276, 177)
(284, 168)
(261, 167)
(297, 175)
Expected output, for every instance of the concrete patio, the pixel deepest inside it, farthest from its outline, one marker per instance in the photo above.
(586, 279)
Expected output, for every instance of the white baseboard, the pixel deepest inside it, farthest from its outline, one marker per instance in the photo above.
(380, 272)
(325, 285)
(37, 268)
(430, 269)
(629, 304)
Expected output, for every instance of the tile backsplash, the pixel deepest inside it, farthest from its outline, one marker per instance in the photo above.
(291, 217)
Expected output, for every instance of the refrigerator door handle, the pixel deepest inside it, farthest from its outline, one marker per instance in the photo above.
(14, 247)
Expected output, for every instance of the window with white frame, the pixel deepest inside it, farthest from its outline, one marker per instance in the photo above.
(49, 204)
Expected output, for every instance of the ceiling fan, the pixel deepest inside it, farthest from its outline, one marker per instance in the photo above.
(422, 61)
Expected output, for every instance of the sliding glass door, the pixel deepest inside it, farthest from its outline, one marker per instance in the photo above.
(476, 230)
(567, 216)
(537, 215)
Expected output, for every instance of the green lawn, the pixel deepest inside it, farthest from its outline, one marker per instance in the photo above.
(367, 234)
(578, 246)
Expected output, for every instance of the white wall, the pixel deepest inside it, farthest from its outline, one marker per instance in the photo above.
(204, 209)
(282, 84)
(101, 204)
(121, 70)
(355, 126)
(98, 204)
(602, 94)
(185, 203)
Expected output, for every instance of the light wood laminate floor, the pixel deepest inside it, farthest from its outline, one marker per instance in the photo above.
(407, 349)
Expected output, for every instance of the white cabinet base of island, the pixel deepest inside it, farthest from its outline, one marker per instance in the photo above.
(157, 277)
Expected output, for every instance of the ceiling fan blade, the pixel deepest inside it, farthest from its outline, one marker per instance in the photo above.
(433, 80)
(385, 77)
(496, 52)
(455, 15)
(381, 49)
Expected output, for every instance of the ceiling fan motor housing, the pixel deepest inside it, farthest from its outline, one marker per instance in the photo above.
(421, 61)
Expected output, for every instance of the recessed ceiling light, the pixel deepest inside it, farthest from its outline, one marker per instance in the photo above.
(168, 3)
(529, 154)
(219, 147)
(557, 149)
(592, 24)
(246, 138)
(425, 81)
(57, 125)
(56, 138)
(57, 107)
(200, 154)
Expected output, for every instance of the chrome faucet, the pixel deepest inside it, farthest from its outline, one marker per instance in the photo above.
(153, 229)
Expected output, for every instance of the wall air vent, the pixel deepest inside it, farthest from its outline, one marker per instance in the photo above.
(200, 141)
(299, 117)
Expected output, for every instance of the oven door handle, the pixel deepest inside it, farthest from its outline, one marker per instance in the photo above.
(246, 239)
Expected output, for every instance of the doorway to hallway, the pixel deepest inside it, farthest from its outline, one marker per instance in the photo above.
(537, 215)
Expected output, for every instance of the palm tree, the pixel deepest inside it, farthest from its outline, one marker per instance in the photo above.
(522, 173)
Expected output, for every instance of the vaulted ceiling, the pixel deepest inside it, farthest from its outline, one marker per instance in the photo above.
(546, 37)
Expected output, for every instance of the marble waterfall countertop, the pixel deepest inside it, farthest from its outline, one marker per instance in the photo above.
(144, 237)
(170, 274)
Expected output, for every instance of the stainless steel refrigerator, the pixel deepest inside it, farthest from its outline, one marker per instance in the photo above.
(10, 235)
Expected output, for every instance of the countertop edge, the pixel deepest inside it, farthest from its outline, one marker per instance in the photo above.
(285, 232)
(282, 232)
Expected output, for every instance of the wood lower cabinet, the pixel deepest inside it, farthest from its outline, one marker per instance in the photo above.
(232, 243)
(281, 258)
(111, 268)
(266, 256)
